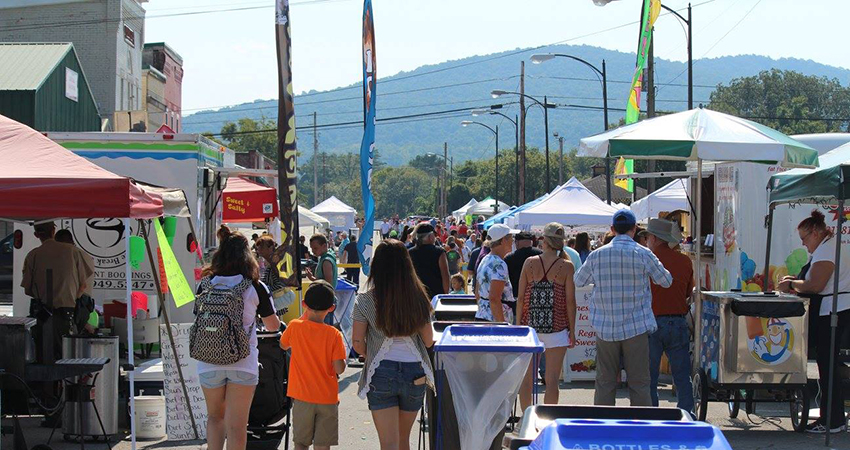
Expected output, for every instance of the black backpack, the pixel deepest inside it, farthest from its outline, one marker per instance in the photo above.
(217, 335)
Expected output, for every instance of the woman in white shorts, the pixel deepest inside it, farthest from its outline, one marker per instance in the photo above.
(547, 303)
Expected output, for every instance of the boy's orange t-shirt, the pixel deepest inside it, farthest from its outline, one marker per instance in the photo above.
(314, 347)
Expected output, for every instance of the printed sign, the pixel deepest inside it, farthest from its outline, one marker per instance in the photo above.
(71, 86)
(580, 363)
(178, 426)
(771, 341)
(180, 289)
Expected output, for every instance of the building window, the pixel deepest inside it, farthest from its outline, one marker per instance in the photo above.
(129, 36)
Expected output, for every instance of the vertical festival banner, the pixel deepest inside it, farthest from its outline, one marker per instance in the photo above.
(286, 255)
(649, 12)
(367, 146)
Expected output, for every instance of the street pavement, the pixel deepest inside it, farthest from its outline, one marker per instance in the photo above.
(768, 428)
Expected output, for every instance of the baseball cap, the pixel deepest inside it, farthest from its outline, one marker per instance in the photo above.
(524, 236)
(499, 231)
(554, 230)
(423, 228)
(319, 296)
(625, 217)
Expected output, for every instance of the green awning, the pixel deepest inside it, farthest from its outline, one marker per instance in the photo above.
(831, 181)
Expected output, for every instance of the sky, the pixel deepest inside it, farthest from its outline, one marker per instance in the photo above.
(229, 55)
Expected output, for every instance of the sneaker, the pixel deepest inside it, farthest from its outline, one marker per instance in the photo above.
(819, 428)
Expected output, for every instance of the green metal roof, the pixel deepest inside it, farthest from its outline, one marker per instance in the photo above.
(25, 66)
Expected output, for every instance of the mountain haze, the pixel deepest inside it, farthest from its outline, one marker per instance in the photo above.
(565, 82)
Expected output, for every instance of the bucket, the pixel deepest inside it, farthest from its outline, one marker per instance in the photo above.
(150, 417)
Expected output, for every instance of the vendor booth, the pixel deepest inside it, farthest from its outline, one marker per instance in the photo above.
(247, 201)
(461, 212)
(49, 182)
(340, 215)
(670, 198)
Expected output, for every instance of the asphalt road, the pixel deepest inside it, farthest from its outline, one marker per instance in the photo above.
(768, 428)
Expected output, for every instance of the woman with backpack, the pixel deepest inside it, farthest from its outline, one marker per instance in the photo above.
(548, 304)
(224, 338)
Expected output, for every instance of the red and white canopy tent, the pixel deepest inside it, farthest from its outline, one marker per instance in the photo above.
(247, 201)
(43, 181)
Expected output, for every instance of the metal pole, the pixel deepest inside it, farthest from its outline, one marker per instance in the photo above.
(698, 250)
(690, 60)
(767, 249)
(650, 103)
(516, 154)
(546, 126)
(496, 183)
(315, 162)
(605, 114)
(445, 176)
(131, 375)
(522, 132)
(833, 320)
(560, 160)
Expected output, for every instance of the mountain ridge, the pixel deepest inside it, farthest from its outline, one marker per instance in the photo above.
(572, 86)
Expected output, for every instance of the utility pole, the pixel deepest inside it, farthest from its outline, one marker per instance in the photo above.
(315, 162)
(445, 175)
(324, 175)
(516, 162)
(560, 160)
(650, 103)
(522, 133)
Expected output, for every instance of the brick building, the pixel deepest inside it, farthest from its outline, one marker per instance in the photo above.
(163, 65)
(107, 34)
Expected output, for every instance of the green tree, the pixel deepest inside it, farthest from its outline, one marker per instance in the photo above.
(787, 101)
(248, 134)
(401, 190)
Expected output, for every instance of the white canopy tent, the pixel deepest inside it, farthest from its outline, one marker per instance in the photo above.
(461, 212)
(672, 197)
(307, 218)
(487, 207)
(571, 204)
(340, 215)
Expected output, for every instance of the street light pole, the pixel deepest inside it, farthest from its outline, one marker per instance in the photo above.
(546, 120)
(540, 58)
(496, 132)
(496, 93)
(690, 24)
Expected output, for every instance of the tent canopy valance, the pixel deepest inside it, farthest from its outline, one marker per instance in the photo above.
(671, 197)
(43, 180)
(831, 181)
(247, 201)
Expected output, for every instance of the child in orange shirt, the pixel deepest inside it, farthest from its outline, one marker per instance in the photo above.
(318, 357)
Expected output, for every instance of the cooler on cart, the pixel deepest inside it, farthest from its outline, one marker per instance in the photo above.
(748, 342)
(571, 434)
(484, 366)
(454, 307)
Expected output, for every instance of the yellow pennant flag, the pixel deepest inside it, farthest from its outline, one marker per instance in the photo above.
(173, 273)
(624, 167)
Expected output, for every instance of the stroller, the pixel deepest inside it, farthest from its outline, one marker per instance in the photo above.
(269, 420)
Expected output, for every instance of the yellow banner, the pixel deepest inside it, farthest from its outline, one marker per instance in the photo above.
(173, 273)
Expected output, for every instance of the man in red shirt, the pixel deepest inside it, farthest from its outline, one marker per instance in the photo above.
(462, 230)
(670, 307)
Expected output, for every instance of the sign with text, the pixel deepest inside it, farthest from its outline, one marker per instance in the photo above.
(580, 363)
(178, 425)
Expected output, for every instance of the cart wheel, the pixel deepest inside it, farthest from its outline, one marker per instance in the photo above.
(800, 404)
(735, 404)
(701, 395)
(750, 403)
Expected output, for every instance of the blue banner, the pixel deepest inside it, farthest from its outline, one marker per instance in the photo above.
(367, 147)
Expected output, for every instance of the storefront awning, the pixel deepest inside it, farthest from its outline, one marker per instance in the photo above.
(246, 201)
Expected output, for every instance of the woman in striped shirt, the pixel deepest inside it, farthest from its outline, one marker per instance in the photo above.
(392, 327)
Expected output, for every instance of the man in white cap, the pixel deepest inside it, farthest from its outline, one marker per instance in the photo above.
(670, 307)
(495, 294)
(621, 310)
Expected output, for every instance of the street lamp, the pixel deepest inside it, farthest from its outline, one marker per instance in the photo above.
(515, 121)
(690, 52)
(466, 123)
(540, 58)
(496, 93)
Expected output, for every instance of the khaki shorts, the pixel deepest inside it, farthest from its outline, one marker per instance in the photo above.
(315, 424)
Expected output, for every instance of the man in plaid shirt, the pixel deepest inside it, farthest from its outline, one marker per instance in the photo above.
(621, 310)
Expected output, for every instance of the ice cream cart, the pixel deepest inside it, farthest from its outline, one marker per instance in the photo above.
(752, 341)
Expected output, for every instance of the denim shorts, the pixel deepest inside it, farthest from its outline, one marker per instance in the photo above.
(392, 386)
(219, 378)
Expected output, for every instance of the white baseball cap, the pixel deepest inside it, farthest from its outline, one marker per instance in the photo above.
(498, 231)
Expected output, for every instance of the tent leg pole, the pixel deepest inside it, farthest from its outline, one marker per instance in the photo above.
(698, 253)
(833, 322)
(128, 280)
(164, 309)
(765, 280)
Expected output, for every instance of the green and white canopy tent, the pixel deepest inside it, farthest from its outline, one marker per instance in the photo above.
(830, 185)
(699, 135)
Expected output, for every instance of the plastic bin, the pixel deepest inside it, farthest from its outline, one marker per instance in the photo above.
(538, 417)
(604, 434)
(454, 307)
(481, 368)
